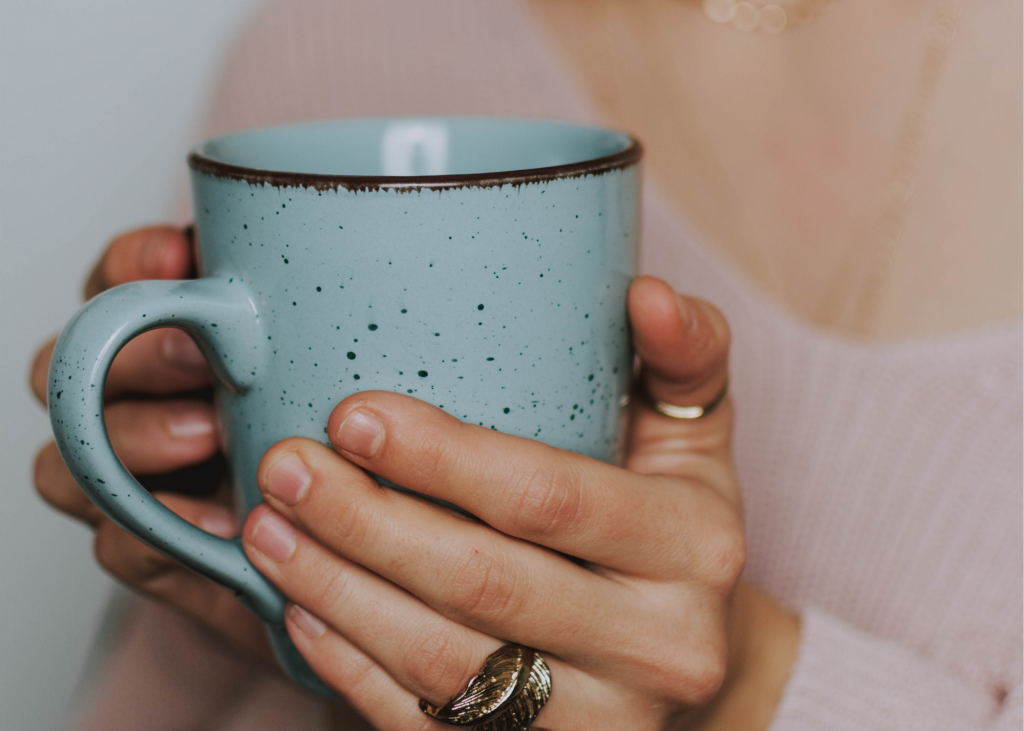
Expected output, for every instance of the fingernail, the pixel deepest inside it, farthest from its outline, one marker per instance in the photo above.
(288, 479)
(685, 311)
(361, 434)
(190, 424)
(180, 350)
(153, 254)
(220, 522)
(274, 537)
(306, 622)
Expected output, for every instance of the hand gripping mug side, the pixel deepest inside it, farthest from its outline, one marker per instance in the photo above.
(480, 265)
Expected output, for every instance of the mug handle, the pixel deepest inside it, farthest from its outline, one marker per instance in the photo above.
(222, 316)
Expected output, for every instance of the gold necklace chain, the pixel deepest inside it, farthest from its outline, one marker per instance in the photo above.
(856, 289)
(769, 18)
(860, 309)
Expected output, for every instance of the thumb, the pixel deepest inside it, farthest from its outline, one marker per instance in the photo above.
(682, 342)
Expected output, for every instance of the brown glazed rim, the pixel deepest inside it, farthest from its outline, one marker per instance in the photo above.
(624, 158)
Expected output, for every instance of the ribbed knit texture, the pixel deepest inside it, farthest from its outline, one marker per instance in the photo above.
(883, 483)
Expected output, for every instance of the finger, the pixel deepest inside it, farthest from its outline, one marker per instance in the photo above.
(37, 374)
(149, 438)
(459, 567)
(350, 673)
(136, 563)
(158, 362)
(683, 343)
(154, 252)
(161, 361)
(567, 502)
(427, 655)
(57, 487)
(152, 437)
(149, 571)
(576, 700)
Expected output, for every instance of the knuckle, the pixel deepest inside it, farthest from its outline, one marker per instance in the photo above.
(722, 553)
(687, 671)
(547, 500)
(331, 593)
(481, 585)
(356, 672)
(352, 678)
(433, 470)
(349, 529)
(703, 676)
(439, 664)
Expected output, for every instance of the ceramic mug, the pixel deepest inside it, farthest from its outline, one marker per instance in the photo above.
(480, 265)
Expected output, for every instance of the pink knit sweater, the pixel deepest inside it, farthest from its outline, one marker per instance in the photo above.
(883, 483)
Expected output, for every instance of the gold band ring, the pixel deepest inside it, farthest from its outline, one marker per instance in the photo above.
(506, 695)
(690, 412)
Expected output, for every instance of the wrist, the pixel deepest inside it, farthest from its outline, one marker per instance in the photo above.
(764, 638)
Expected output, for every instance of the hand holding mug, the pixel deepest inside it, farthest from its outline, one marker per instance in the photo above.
(480, 265)
(390, 285)
(163, 427)
(397, 599)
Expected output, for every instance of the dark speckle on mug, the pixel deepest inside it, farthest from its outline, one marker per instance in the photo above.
(382, 259)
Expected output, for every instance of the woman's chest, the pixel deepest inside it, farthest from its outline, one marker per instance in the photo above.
(866, 180)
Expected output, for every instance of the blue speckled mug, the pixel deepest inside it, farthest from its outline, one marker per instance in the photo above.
(478, 264)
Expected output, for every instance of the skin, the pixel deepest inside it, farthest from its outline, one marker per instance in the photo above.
(777, 148)
(396, 599)
(788, 199)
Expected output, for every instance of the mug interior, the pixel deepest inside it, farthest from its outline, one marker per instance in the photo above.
(416, 148)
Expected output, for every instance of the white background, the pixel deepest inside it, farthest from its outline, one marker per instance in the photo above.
(99, 101)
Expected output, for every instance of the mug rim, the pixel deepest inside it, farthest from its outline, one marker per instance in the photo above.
(203, 163)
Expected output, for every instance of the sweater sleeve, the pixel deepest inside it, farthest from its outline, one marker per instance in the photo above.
(847, 680)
